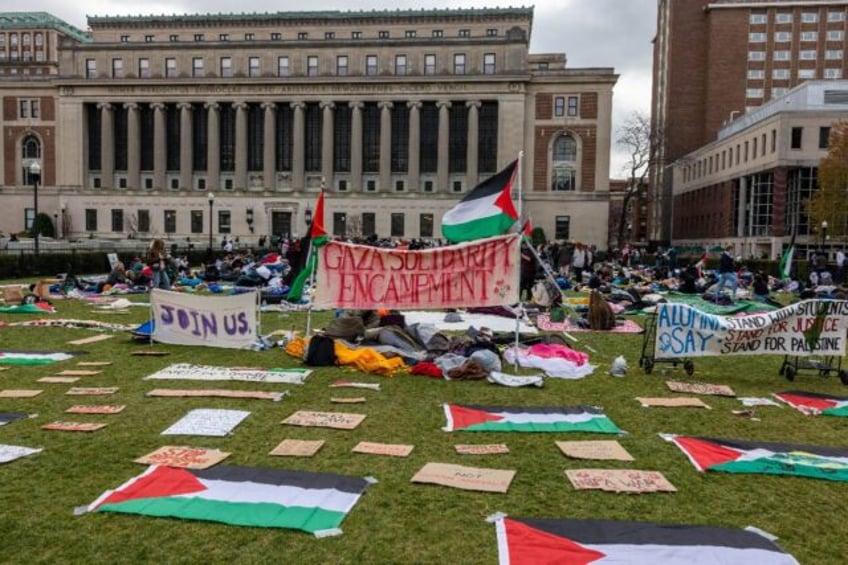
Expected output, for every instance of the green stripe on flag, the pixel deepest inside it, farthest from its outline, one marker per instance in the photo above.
(25, 361)
(595, 425)
(478, 229)
(838, 411)
(797, 465)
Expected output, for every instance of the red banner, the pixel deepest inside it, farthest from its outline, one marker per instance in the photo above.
(477, 273)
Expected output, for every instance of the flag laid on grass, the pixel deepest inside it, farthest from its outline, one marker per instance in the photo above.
(527, 541)
(486, 211)
(9, 417)
(472, 418)
(34, 308)
(316, 237)
(813, 404)
(765, 458)
(32, 357)
(240, 496)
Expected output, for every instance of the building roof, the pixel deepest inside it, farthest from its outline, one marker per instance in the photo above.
(43, 20)
(771, 3)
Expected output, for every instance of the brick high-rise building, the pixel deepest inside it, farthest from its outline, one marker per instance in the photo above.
(715, 60)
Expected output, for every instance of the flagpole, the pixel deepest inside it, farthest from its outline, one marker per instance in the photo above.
(519, 313)
(311, 276)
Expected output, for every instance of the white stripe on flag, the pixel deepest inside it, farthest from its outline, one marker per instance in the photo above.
(650, 554)
(472, 210)
(250, 492)
(546, 418)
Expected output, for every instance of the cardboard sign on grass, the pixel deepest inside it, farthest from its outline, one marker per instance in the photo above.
(92, 391)
(391, 449)
(207, 422)
(73, 426)
(96, 409)
(348, 400)
(19, 393)
(150, 353)
(486, 449)
(680, 402)
(219, 393)
(184, 457)
(92, 339)
(465, 478)
(700, 388)
(351, 384)
(602, 450)
(58, 380)
(94, 363)
(628, 481)
(297, 448)
(337, 420)
(77, 373)
(9, 453)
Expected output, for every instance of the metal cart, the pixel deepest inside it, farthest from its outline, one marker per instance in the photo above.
(793, 364)
(649, 359)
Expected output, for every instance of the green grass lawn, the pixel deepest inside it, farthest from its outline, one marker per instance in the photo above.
(395, 521)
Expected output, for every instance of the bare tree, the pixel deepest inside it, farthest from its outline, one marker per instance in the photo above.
(635, 136)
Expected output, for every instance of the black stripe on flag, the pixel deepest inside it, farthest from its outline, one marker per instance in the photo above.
(609, 532)
(495, 184)
(536, 409)
(816, 395)
(777, 447)
(6, 417)
(281, 477)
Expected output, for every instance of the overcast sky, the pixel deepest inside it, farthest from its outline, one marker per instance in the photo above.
(592, 33)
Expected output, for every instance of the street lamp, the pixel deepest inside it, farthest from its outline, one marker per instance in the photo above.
(211, 198)
(35, 176)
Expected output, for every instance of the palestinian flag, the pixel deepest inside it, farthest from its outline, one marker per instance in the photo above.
(32, 357)
(580, 542)
(766, 458)
(9, 417)
(241, 496)
(486, 211)
(35, 308)
(472, 418)
(316, 237)
(813, 404)
(785, 267)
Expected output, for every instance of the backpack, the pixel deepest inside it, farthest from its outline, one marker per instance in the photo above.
(320, 352)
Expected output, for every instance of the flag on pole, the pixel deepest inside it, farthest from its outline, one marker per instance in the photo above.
(785, 268)
(315, 238)
(486, 211)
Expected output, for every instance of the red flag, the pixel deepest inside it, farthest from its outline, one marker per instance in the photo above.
(317, 229)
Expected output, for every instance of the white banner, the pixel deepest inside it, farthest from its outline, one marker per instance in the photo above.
(212, 321)
(811, 327)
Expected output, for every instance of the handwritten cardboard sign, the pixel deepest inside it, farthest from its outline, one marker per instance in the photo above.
(338, 420)
(150, 353)
(94, 363)
(92, 339)
(189, 372)
(348, 400)
(700, 388)
(810, 327)
(677, 402)
(98, 409)
(601, 450)
(465, 478)
(60, 380)
(218, 393)
(92, 391)
(619, 480)
(185, 457)
(19, 393)
(9, 453)
(350, 384)
(487, 449)
(77, 373)
(73, 426)
(390, 449)
(207, 422)
(297, 448)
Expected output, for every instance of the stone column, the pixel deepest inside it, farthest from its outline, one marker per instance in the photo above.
(186, 146)
(269, 135)
(443, 151)
(327, 143)
(473, 143)
(241, 146)
(133, 146)
(213, 149)
(107, 146)
(159, 146)
(385, 146)
(414, 171)
(356, 145)
(298, 180)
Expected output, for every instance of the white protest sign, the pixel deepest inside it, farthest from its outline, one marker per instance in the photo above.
(11, 452)
(207, 422)
(189, 372)
(811, 327)
(213, 321)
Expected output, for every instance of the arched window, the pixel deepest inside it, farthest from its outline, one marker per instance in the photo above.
(564, 163)
(30, 151)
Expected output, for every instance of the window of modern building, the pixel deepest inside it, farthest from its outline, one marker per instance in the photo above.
(117, 68)
(757, 18)
(782, 37)
(341, 65)
(833, 54)
(253, 67)
(836, 16)
(223, 37)
(559, 106)
(400, 139)
(783, 18)
(807, 55)
(773, 140)
(312, 120)
(465, 33)
(806, 73)
(173, 38)
(170, 221)
(488, 63)
(371, 65)
(429, 64)
(438, 33)
(809, 36)
(143, 220)
(564, 164)
(753, 151)
(782, 55)
(170, 67)
(429, 144)
(410, 33)
(753, 92)
(302, 36)
(425, 225)
(763, 145)
(780, 74)
(459, 64)
(90, 219)
(491, 32)
(312, 66)
(809, 17)
(824, 137)
(117, 220)
(458, 139)
(125, 39)
(329, 35)
(756, 74)
(356, 35)
(400, 65)
(397, 227)
(198, 37)
(224, 219)
(276, 36)
(383, 34)
(796, 137)
(149, 38)
(835, 35)
(562, 227)
(572, 106)
(756, 55)
(339, 224)
(833, 73)
(283, 69)
(226, 69)
(197, 67)
(144, 68)
(757, 37)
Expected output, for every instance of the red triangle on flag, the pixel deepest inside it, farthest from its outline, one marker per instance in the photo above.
(161, 482)
(530, 546)
(504, 200)
(706, 454)
(317, 230)
(465, 417)
(806, 401)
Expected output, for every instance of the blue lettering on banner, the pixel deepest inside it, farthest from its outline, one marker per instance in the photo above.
(682, 341)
